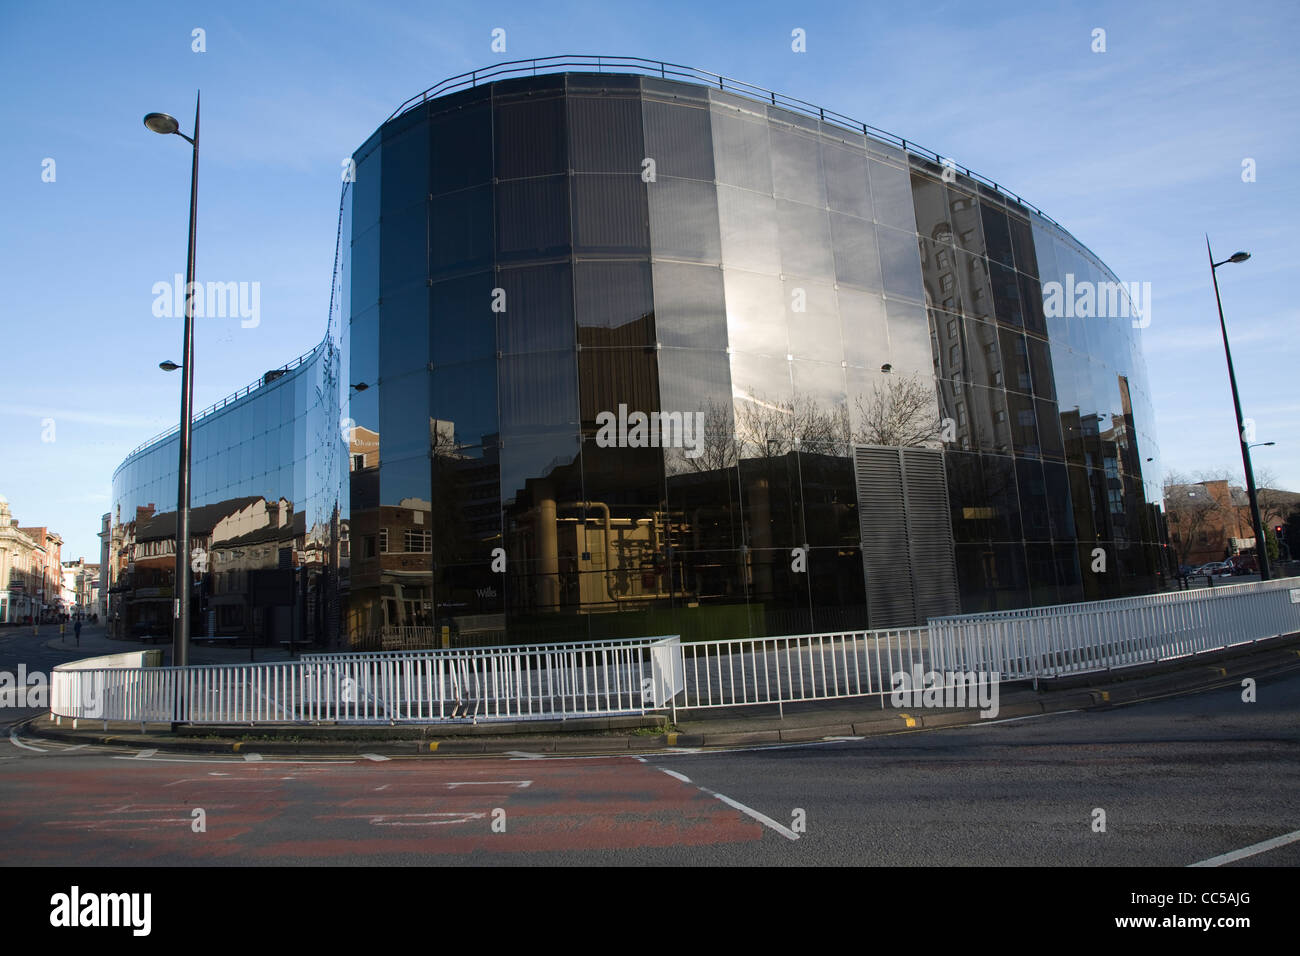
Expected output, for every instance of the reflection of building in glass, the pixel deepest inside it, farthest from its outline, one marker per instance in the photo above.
(509, 276)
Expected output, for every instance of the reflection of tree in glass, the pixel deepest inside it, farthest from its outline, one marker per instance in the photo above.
(718, 444)
(901, 411)
(766, 429)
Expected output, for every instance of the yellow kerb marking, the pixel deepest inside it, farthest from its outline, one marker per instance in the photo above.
(433, 746)
(672, 740)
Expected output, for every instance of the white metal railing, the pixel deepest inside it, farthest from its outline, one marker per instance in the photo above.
(590, 678)
(436, 652)
(782, 670)
(553, 681)
(1102, 635)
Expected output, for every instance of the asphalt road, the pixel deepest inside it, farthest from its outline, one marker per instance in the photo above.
(1181, 780)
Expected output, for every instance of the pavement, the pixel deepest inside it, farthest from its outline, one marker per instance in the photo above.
(730, 727)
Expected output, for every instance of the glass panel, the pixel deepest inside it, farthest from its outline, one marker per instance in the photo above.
(796, 167)
(460, 227)
(997, 235)
(909, 339)
(530, 137)
(857, 261)
(605, 134)
(609, 214)
(688, 306)
(679, 139)
(891, 194)
(740, 150)
(460, 149)
(1006, 294)
(805, 240)
(749, 234)
(848, 190)
(537, 398)
(463, 406)
(532, 218)
(865, 332)
(462, 323)
(900, 261)
(608, 378)
(1033, 500)
(404, 251)
(405, 161)
(1015, 361)
(684, 220)
(811, 308)
(756, 313)
(539, 309)
(615, 307)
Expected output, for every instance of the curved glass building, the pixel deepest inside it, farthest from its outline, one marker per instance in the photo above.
(628, 354)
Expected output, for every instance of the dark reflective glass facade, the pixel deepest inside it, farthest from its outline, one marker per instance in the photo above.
(620, 335)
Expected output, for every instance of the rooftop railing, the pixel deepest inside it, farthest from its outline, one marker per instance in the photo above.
(676, 71)
(217, 406)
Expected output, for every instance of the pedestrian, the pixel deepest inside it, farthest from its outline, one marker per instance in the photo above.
(63, 631)
(76, 630)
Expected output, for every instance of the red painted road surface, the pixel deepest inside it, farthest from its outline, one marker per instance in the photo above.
(141, 812)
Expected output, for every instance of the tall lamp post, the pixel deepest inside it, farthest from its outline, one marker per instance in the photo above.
(165, 125)
(1261, 544)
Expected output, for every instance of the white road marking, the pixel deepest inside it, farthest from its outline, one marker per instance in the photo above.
(520, 784)
(1011, 720)
(144, 754)
(74, 747)
(1251, 850)
(252, 758)
(673, 773)
(418, 819)
(384, 787)
(378, 758)
(843, 738)
(13, 739)
(524, 755)
(751, 812)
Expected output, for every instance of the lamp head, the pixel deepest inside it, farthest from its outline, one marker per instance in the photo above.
(161, 123)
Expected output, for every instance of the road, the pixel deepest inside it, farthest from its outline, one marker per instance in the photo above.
(1181, 780)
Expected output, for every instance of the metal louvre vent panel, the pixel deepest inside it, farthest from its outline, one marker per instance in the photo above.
(907, 546)
(930, 544)
(883, 519)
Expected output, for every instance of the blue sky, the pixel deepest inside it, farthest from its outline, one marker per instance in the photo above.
(1137, 151)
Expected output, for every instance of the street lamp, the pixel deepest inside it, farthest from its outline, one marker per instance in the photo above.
(1261, 545)
(166, 125)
